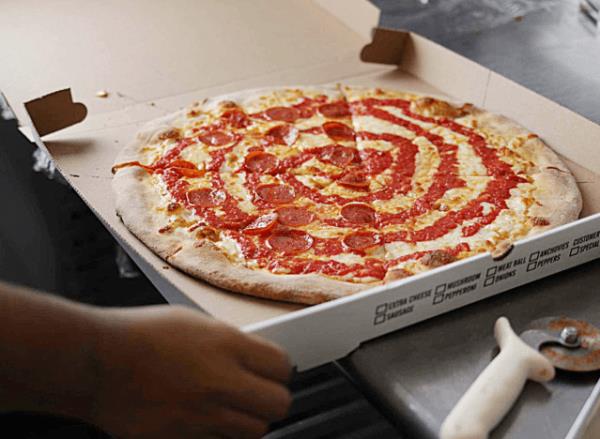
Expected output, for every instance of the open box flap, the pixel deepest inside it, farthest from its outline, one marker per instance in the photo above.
(54, 112)
(387, 46)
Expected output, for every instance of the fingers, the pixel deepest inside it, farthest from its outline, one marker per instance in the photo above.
(232, 423)
(266, 359)
(261, 397)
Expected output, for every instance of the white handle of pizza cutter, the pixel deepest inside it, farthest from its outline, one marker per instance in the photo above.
(497, 388)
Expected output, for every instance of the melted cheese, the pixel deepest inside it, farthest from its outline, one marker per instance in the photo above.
(510, 224)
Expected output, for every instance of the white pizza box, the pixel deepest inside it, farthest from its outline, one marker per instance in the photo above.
(155, 57)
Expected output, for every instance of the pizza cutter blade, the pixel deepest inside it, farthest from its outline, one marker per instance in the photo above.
(569, 344)
(550, 342)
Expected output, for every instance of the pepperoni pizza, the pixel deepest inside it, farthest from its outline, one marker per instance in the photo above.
(314, 193)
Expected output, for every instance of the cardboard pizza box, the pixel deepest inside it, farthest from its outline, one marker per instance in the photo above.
(154, 58)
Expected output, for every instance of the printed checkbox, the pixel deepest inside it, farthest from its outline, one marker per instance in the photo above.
(381, 308)
(531, 266)
(491, 271)
(438, 298)
(379, 319)
(440, 288)
(574, 251)
(488, 281)
(534, 256)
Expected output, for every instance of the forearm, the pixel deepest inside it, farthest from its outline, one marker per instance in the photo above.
(47, 360)
(152, 373)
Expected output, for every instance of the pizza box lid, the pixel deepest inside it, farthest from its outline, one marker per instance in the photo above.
(154, 58)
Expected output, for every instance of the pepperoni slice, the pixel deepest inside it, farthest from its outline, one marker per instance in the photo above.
(185, 168)
(190, 173)
(283, 134)
(295, 216)
(354, 179)
(337, 155)
(182, 164)
(260, 161)
(375, 162)
(361, 240)
(338, 131)
(276, 193)
(261, 225)
(236, 118)
(234, 221)
(290, 241)
(284, 114)
(358, 213)
(205, 197)
(216, 138)
(305, 112)
(335, 110)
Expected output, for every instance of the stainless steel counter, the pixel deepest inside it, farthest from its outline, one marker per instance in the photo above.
(417, 374)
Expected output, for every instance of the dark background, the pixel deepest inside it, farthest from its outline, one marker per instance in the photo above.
(50, 240)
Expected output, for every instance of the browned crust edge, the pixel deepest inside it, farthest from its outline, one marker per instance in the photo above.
(559, 198)
(207, 262)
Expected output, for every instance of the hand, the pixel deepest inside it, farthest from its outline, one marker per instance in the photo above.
(168, 371)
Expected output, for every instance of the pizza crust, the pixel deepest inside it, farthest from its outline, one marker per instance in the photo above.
(137, 198)
(556, 190)
(207, 262)
(135, 203)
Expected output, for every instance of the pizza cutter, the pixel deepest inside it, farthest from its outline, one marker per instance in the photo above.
(550, 342)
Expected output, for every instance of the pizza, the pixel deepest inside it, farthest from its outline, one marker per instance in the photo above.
(306, 194)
